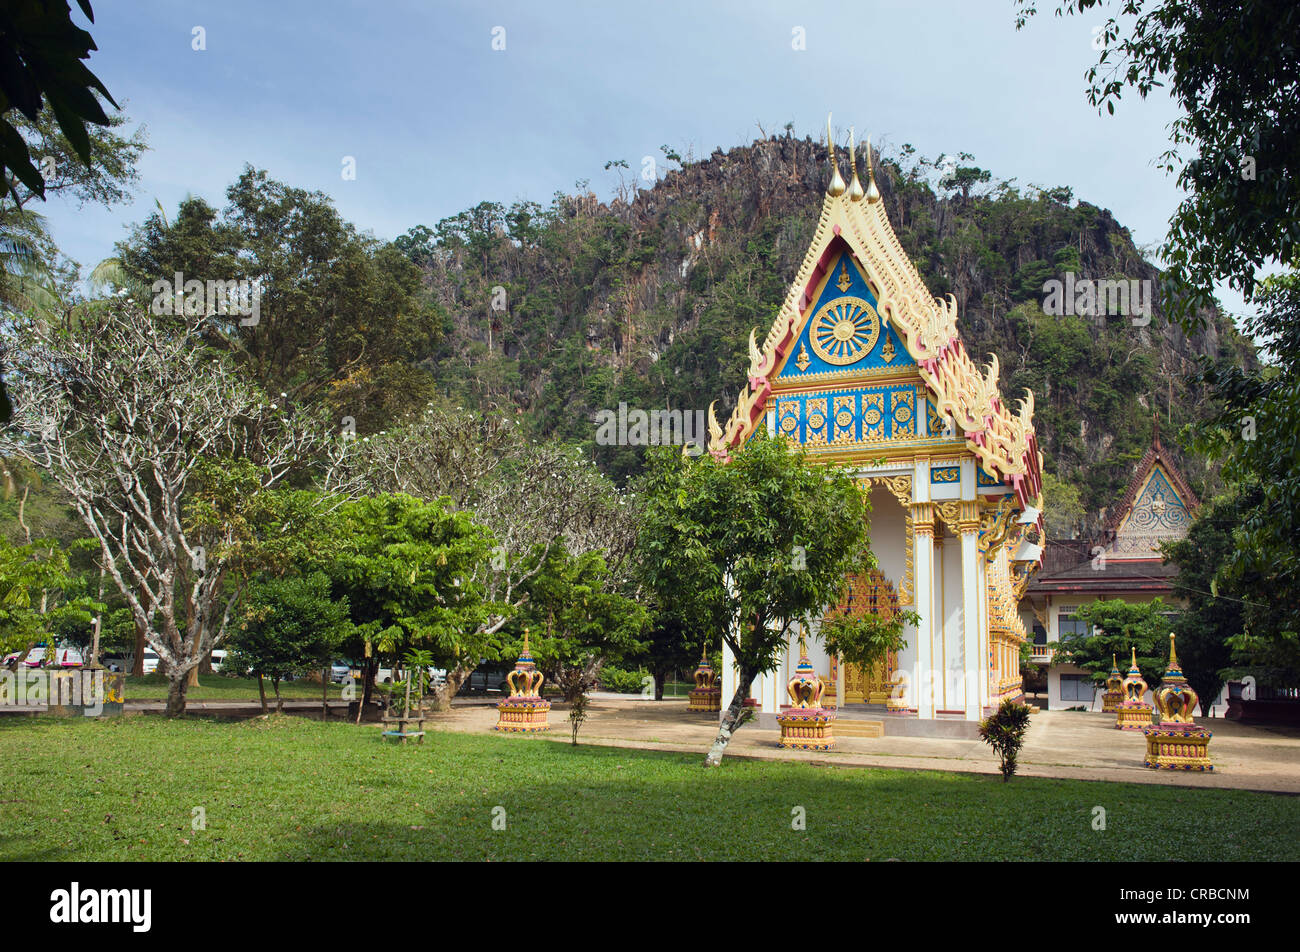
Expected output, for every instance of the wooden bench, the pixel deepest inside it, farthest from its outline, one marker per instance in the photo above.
(403, 729)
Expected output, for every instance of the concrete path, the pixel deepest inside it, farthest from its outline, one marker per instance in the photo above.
(1073, 745)
(229, 706)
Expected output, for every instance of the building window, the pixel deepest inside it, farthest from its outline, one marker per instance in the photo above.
(1069, 625)
(1040, 635)
(1076, 687)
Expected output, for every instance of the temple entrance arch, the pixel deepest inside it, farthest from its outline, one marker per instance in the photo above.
(869, 594)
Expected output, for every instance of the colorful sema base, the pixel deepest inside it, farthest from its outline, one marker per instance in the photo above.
(1114, 693)
(1133, 713)
(524, 711)
(1176, 743)
(805, 724)
(863, 366)
(706, 696)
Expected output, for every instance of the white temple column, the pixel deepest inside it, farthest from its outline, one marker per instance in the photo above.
(975, 659)
(924, 676)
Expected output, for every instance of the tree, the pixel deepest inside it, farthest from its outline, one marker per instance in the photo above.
(130, 418)
(534, 497)
(751, 548)
(33, 579)
(412, 572)
(1063, 509)
(1113, 628)
(287, 626)
(341, 317)
(672, 644)
(43, 51)
(1214, 613)
(1257, 436)
(1234, 68)
(579, 624)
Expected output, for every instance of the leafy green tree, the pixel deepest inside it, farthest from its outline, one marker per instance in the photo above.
(1062, 508)
(578, 623)
(752, 548)
(412, 572)
(1121, 626)
(1214, 612)
(1257, 437)
(672, 644)
(43, 50)
(288, 626)
(341, 317)
(1233, 68)
(33, 580)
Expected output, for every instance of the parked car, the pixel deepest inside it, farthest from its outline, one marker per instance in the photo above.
(150, 661)
(340, 673)
(63, 657)
(218, 656)
(434, 676)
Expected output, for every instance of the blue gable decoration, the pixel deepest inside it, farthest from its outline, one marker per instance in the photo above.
(1158, 509)
(852, 415)
(845, 332)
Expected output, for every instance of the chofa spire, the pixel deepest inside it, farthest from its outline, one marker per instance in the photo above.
(837, 186)
(855, 187)
(873, 193)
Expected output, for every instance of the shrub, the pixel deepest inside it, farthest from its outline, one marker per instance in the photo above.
(1004, 731)
(622, 682)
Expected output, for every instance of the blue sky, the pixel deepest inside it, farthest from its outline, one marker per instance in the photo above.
(437, 120)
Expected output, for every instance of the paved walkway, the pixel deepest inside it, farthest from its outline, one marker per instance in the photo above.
(1073, 745)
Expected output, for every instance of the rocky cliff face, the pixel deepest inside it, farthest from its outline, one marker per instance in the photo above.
(559, 312)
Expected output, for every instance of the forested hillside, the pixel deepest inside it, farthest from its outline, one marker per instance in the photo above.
(650, 299)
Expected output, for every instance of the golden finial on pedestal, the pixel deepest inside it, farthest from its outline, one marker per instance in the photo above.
(1176, 743)
(525, 710)
(836, 188)
(1133, 713)
(706, 696)
(1113, 694)
(804, 723)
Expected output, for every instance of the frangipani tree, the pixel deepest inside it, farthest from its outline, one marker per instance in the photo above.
(168, 456)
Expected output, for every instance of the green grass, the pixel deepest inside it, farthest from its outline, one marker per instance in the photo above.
(286, 788)
(215, 687)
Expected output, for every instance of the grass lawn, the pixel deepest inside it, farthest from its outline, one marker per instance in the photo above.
(286, 788)
(215, 687)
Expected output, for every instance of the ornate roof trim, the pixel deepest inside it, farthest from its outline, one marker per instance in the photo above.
(1002, 439)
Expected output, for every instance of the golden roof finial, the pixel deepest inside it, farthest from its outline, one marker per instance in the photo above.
(855, 187)
(836, 188)
(525, 641)
(873, 193)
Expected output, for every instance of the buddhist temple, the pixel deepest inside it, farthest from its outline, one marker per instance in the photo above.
(863, 366)
(1122, 561)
